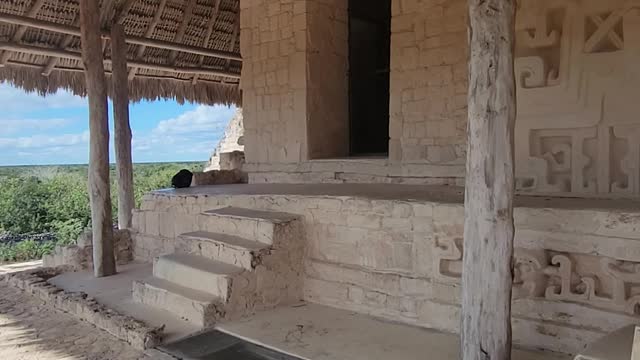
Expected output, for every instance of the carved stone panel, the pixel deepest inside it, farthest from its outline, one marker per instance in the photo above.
(578, 80)
(596, 281)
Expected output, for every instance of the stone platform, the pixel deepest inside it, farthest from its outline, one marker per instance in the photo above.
(316, 332)
(115, 293)
(394, 252)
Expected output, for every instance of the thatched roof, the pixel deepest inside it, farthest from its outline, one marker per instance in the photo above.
(183, 76)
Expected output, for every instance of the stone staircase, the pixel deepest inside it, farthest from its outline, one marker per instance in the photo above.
(238, 261)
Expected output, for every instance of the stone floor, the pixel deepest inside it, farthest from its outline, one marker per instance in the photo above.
(321, 333)
(443, 194)
(30, 330)
(307, 331)
(115, 293)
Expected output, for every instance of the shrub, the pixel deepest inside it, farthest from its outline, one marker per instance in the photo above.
(55, 199)
(25, 250)
(23, 206)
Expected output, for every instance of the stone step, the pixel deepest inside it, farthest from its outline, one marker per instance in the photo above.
(258, 225)
(225, 248)
(197, 307)
(196, 272)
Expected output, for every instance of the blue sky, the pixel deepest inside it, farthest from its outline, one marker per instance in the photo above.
(36, 130)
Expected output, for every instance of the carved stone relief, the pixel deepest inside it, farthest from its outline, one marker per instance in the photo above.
(577, 73)
(592, 280)
(448, 251)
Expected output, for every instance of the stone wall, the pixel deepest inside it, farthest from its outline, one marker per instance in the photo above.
(301, 115)
(428, 104)
(294, 79)
(576, 278)
(576, 130)
(85, 308)
(79, 256)
(274, 85)
(229, 154)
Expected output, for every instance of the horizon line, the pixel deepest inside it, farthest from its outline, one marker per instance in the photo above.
(112, 163)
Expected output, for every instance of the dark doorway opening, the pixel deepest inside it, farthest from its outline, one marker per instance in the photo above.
(369, 59)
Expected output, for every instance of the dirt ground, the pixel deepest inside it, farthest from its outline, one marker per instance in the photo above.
(30, 330)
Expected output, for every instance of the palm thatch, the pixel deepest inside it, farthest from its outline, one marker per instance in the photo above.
(203, 24)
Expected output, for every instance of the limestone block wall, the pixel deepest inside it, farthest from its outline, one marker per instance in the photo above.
(576, 130)
(576, 270)
(575, 279)
(428, 100)
(301, 115)
(294, 79)
(274, 80)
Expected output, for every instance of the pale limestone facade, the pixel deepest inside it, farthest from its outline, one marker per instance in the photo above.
(294, 128)
(575, 280)
(576, 132)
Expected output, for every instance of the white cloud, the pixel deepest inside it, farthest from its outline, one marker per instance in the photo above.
(12, 126)
(27, 137)
(201, 119)
(195, 132)
(41, 141)
(17, 100)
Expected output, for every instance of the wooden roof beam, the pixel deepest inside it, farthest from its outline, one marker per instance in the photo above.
(108, 72)
(152, 26)
(17, 36)
(34, 50)
(207, 36)
(70, 30)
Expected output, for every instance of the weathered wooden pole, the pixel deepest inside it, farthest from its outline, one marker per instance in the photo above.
(102, 224)
(488, 231)
(122, 137)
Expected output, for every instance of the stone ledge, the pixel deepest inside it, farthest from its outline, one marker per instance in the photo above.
(80, 305)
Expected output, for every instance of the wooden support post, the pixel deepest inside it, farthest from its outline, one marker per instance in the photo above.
(122, 138)
(99, 192)
(489, 230)
(122, 12)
